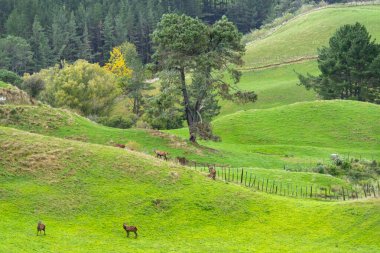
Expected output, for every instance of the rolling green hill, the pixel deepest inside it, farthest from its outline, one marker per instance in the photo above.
(302, 133)
(340, 124)
(302, 36)
(84, 192)
(296, 39)
(66, 125)
(274, 86)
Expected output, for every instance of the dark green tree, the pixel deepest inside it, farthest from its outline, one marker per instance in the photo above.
(59, 36)
(15, 54)
(72, 52)
(40, 46)
(85, 48)
(202, 53)
(347, 66)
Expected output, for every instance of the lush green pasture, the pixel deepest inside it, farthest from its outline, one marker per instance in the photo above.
(301, 134)
(84, 192)
(257, 138)
(345, 124)
(303, 35)
(274, 87)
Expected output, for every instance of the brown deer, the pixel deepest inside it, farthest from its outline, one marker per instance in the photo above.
(41, 227)
(130, 229)
(161, 154)
(212, 172)
(120, 146)
(182, 160)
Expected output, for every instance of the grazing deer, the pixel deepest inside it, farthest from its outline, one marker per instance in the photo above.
(130, 229)
(120, 146)
(212, 172)
(40, 228)
(182, 160)
(161, 154)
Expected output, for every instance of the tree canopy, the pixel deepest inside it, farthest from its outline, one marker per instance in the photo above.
(82, 29)
(203, 54)
(81, 86)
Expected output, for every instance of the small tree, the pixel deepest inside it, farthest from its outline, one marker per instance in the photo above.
(126, 63)
(81, 86)
(203, 54)
(348, 66)
(15, 54)
(33, 84)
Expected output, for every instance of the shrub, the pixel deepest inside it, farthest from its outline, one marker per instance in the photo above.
(10, 77)
(33, 84)
(118, 121)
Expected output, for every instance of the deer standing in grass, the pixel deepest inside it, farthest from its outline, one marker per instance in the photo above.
(212, 172)
(161, 154)
(41, 227)
(129, 229)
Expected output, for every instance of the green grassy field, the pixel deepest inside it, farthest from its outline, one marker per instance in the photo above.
(84, 192)
(303, 35)
(302, 133)
(268, 138)
(274, 87)
(61, 168)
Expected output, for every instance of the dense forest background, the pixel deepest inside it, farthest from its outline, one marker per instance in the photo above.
(35, 34)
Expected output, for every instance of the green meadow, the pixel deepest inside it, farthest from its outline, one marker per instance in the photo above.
(84, 192)
(63, 169)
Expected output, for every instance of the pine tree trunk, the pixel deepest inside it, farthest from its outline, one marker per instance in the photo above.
(189, 117)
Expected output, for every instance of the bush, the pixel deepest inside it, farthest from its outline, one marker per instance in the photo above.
(117, 121)
(355, 170)
(10, 77)
(33, 85)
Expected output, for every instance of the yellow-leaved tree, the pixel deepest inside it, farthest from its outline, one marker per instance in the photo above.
(127, 65)
(117, 64)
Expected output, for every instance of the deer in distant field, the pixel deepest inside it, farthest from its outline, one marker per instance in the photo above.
(130, 229)
(161, 154)
(120, 146)
(41, 227)
(212, 172)
(182, 160)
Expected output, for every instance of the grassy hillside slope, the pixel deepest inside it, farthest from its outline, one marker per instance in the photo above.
(64, 124)
(303, 35)
(84, 192)
(274, 86)
(345, 124)
(302, 133)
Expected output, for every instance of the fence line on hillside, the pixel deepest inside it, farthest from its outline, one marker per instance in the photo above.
(246, 177)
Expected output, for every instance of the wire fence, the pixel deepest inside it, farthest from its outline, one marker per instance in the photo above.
(247, 178)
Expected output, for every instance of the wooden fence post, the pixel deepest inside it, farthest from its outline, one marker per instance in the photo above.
(250, 178)
(241, 177)
(245, 180)
(344, 198)
(311, 191)
(266, 188)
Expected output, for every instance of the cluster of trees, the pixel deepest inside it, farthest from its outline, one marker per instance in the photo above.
(192, 59)
(45, 32)
(350, 67)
